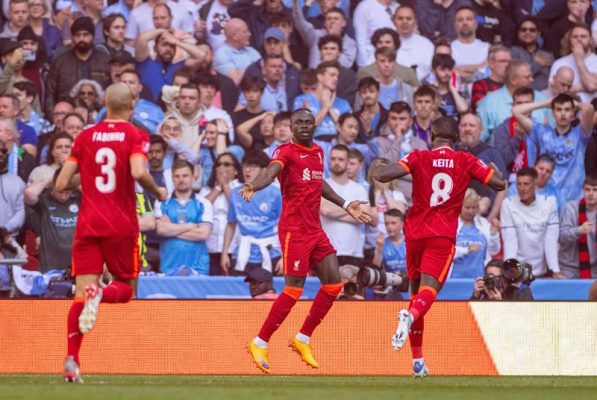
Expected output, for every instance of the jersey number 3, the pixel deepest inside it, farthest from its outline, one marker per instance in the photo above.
(106, 183)
(442, 185)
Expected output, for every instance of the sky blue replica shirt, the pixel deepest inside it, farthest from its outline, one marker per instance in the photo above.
(394, 256)
(257, 218)
(327, 127)
(175, 252)
(471, 265)
(147, 114)
(568, 151)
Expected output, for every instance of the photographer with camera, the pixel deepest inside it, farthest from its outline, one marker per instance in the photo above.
(504, 280)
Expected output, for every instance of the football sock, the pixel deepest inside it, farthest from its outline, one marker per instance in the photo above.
(117, 292)
(416, 338)
(262, 344)
(279, 311)
(421, 303)
(302, 338)
(74, 337)
(321, 305)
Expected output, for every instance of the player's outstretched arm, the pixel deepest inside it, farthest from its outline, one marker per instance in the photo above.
(355, 209)
(141, 174)
(497, 181)
(264, 179)
(68, 178)
(388, 172)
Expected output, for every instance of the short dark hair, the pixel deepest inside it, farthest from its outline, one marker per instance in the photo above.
(387, 52)
(53, 139)
(386, 31)
(527, 171)
(158, 139)
(461, 8)
(131, 71)
(336, 10)
(368, 82)
(179, 163)
(445, 127)
(207, 79)
(591, 179)
(442, 61)
(308, 76)
(14, 99)
(323, 67)
(546, 158)
(524, 91)
(282, 116)
(562, 98)
(340, 147)
(256, 157)
(425, 90)
(26, 86)
(394, 212)
(76, 115)
(355, 153)
(190, 86)
(399, 107)
(252, 83)
(494, 263)
(185, 72)
(346, 116)
(329, 39)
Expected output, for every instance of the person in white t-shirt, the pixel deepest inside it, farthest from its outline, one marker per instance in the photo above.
(369, 16)
(415, 50)
(583, 62)
(346, 234)
(530, 226)
(469, 52)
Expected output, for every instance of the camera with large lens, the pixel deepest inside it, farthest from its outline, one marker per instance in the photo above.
(492, 282)
(517, 272)
(372, 277)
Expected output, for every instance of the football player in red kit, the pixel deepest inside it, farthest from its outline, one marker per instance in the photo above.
(440, 178)
(299, 168)
(108, 157)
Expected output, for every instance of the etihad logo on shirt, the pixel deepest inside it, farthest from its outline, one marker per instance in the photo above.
(309, 175)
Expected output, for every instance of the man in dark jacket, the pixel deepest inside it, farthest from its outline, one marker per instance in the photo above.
(83, 61)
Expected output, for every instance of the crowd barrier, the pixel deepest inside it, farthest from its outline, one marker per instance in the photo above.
(216, 287)
(209, 336)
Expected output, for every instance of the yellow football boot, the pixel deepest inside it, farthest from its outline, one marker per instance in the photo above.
(303, 350)
(259, 357)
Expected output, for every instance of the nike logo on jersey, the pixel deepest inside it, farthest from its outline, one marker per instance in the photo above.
(303, 155)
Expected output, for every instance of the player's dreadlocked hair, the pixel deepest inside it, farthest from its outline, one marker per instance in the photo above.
(445, 127)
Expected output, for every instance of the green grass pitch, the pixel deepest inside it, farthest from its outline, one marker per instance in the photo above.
(122, 387)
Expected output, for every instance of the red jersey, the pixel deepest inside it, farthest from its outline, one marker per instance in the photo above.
(108, 205)
(440, 179)
(301, 180)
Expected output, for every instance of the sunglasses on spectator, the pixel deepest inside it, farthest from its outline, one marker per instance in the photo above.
(87, 93)
(225, 164)
(531, 30)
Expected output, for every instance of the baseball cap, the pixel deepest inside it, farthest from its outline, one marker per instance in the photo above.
(9, 46)
(259, 275)
(122, 57)
(274, 33)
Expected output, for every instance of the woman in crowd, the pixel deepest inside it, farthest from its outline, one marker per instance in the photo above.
(476, 242)
(59, 148)
(224, 178)
(88, 94)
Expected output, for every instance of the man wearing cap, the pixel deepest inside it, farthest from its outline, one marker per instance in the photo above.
(83, 61)
(257, 14)
(33, 67)
(18, 16)
(13, 59)
(261, 284)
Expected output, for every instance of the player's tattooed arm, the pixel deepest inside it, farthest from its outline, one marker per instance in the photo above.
(264, 179)
(388, 172)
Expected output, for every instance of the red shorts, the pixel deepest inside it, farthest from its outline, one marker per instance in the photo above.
(301, 251)
(120, 254)
(431, 256)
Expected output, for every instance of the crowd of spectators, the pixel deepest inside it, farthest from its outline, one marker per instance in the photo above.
(214, 83)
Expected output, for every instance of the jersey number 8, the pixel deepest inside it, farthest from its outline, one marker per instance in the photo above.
(442, 185)
(107, 159)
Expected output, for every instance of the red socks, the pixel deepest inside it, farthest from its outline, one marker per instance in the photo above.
(74, 336)
(279, 311)
(422, 302)
(321, 305)
(416, 338)
(117, 292)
